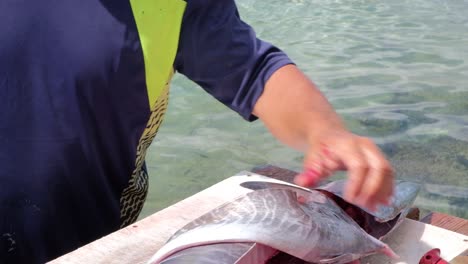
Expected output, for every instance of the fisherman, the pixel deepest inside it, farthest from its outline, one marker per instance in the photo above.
(83, 90)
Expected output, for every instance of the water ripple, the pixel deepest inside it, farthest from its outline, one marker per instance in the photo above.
(396, 70)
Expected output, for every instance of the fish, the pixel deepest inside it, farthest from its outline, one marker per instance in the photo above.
(379, 223)
(307, 224)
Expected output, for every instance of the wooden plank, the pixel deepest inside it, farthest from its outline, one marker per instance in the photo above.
(449, 222)
(460, 260)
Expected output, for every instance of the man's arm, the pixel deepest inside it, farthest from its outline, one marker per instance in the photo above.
(222, 54)
(299, 115)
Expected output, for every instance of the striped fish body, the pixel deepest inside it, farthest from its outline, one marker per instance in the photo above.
(315, 229)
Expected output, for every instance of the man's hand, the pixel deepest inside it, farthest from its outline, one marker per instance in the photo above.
(370, 176)
(298, 114)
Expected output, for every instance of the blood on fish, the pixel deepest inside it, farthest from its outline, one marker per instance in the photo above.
(356, 213)
(301, 199)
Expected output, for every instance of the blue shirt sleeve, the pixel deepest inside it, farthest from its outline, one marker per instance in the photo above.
(222, 54)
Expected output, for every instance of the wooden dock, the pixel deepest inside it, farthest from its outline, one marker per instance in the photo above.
(138, 242)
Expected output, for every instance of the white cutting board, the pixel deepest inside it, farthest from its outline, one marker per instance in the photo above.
(412, 239)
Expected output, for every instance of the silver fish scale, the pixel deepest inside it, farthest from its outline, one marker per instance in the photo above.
(209, 254)
(316, 231)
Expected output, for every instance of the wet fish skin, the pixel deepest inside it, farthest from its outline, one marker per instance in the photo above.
(223, 253)
(378, 224)
(274, 217)
(210, 254)
(404, 195)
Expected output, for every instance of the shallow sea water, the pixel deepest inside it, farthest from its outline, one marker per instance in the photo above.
(397, 71)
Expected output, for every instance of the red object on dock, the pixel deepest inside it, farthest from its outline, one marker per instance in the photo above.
(432, 257)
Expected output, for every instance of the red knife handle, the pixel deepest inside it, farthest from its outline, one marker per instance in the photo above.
(432, 257)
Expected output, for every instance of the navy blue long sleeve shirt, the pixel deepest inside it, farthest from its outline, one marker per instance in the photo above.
(73, 106)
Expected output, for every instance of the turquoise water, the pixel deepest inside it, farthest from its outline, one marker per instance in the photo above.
(397, 71)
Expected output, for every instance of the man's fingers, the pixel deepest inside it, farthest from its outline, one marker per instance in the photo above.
(305, 180)
(330, 160)
(357, 168)
(314, 170)
(378, 185)
(375, 190)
